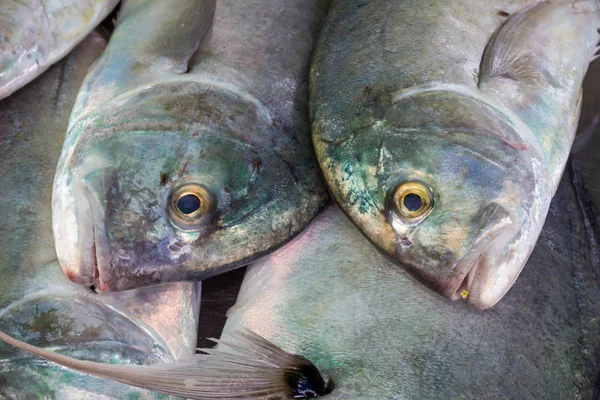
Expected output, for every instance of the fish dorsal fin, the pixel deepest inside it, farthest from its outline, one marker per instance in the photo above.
(255, 369)
(543, 44)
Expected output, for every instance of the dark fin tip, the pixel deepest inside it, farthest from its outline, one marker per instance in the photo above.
(305, 381)
(503, 14)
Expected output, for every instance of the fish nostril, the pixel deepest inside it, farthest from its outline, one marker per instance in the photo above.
(405, 242)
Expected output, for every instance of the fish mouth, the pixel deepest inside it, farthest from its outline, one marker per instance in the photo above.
(99, 255)
(466, 272)
(480, 276)
(96, 275)
(94, 248)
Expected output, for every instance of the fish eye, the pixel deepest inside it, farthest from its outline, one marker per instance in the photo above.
(412, 201)
(188, 204)
(191, 206)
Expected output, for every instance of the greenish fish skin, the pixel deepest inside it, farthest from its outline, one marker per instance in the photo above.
(332, 297)
(37, 302)
(155, 115)
(34, 34)
(477, 101)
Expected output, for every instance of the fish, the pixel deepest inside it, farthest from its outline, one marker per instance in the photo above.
(378, 333)
(188, 151)
(371, 331)
(35, 34)
(443, 130)
(37, 302)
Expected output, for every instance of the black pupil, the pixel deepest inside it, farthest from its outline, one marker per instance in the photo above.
(413, 202)
(188, 204)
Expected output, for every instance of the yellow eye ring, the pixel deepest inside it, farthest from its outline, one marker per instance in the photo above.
(412, 201)
(191, 206)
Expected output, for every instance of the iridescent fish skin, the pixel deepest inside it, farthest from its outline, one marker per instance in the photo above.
(37, 302)
(470, 106)
(156, 118)
(330, 296)
(34, 34)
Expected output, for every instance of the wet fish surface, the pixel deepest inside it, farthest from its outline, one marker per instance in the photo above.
(330, 296)
(34, 34)
(443, 128)
(180, 164)
(37, 302)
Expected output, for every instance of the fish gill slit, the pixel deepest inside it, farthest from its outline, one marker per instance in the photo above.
(511, 118)
(185, 78)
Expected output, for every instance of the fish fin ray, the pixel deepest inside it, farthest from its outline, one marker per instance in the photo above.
(258, 369)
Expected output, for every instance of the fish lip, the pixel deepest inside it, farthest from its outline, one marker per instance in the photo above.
(473, 277)
(95, 210)
(466, 271)
(479, 273)
(96, 276)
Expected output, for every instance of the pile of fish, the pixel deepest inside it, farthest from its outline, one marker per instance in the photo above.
(195, 137)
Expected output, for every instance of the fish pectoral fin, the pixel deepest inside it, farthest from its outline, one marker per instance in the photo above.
(255, 369)
(542, 45)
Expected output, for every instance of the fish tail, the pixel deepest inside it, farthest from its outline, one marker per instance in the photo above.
(256, 368)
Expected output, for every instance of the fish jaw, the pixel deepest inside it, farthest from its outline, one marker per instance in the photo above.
(486, 273)
(78, 220)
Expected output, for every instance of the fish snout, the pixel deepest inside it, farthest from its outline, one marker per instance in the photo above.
(79, 213)
(484, 274)
(97, 185)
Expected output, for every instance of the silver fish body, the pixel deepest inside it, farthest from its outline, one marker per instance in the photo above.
(37, 302)
(330, 296)
(158, 123)
(443, 129)
(34, 34)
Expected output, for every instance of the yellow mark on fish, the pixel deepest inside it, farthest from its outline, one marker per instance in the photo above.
(464, 294)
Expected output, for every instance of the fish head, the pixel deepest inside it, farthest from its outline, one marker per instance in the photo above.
(174, 201)
(460, 214)
(459, 205)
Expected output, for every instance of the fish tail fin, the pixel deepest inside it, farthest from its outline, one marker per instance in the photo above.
(255, 369)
